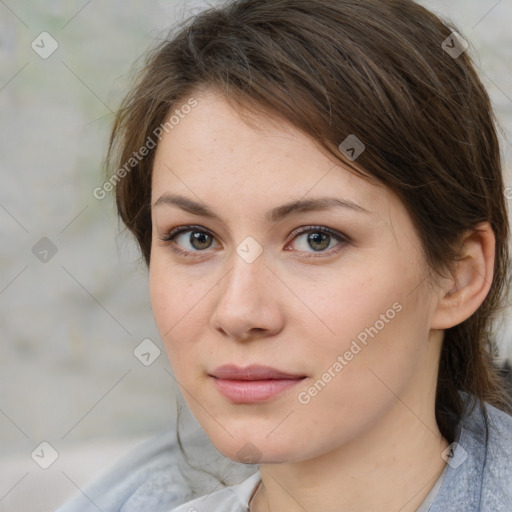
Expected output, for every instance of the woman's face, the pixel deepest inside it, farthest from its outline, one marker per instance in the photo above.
(287, 263)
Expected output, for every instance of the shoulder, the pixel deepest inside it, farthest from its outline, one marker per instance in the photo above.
(230, 499)
(490, 426)
(497, 477)
(157, 476)
(148, 476)
(479, 473)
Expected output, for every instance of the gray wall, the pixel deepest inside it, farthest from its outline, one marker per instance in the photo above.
(71, 320)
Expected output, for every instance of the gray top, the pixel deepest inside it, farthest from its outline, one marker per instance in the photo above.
(477, 477)
(237, 498)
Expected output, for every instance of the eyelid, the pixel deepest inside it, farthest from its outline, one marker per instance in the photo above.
(322, 229)
(183, 229)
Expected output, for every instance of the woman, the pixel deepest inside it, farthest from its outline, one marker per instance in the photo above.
(317, 190)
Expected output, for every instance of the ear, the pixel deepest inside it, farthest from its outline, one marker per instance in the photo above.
(462, 294)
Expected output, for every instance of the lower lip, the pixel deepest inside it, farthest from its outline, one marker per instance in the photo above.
(250, 391)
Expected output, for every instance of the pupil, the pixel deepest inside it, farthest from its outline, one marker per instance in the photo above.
(318, 238)
(200, 238)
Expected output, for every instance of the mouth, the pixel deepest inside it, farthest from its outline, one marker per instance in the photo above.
(252, 383)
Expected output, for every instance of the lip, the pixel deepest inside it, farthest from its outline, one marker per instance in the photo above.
(252, 383)
(252, 372)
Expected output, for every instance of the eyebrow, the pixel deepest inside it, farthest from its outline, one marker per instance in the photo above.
(274, 215)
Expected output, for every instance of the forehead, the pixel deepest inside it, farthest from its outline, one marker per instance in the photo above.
(213, 154)
(213, 132)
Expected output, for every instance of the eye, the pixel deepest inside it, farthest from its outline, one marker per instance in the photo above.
(189, 239)
(318, 238)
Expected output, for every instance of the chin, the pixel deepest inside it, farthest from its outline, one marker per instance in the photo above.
(250, 449)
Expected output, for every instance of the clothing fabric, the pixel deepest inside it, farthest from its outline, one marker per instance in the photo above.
(237, 498)
(432, 495)
(150, 478)
(477, 477)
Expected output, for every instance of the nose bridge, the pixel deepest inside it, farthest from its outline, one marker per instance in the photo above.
(246, 275)
(245, 301)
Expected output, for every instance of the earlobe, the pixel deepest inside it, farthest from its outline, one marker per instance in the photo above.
(471, 279)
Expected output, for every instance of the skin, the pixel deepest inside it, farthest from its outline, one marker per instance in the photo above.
(297, 309)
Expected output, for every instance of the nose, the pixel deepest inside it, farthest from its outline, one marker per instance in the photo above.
(247, 305)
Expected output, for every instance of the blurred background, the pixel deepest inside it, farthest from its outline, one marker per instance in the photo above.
(73, 293)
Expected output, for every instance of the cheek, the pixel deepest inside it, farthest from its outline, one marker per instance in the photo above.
(353, 306)
(175, 305)
(370, 321)
(356, 382)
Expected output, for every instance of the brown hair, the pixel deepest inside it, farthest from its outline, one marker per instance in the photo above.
(375, 69)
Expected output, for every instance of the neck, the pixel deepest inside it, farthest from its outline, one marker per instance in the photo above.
(392, 467)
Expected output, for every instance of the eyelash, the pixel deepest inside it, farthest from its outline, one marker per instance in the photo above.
(173, 233)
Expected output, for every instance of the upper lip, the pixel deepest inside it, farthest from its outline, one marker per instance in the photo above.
(253, 372)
